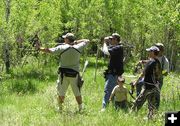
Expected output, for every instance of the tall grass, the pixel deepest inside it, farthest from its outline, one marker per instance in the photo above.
(28, 97)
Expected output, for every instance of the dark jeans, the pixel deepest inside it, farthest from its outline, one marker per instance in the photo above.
(139, 87)
(121, 105)
(158, 98)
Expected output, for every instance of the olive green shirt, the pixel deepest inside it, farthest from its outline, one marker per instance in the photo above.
(120, 93)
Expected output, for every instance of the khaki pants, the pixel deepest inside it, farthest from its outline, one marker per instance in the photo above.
(62, 87)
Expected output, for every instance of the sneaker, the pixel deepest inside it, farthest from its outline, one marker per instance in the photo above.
(81, 108)
(60, 108)
(103, 110)
(145, 118)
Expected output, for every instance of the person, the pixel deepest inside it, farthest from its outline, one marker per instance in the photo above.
(115, 65)
(151, 74)
(120, 92)
(165, 69)
(69, 67)
(164, 62)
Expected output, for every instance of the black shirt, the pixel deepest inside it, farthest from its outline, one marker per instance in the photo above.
(116, 59)
(152, 73)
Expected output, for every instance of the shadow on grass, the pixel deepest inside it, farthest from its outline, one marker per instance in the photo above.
(25, 82)
(34, 74)
(22, 86)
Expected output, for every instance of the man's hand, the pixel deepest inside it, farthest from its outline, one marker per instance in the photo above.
(164, 73)
(37, 46)
(107, 40)
(81, 40)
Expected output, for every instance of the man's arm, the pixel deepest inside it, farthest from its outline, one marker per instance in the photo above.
(46, 50)
(81, 40)
(105, 49)
(57, 49)
(39, 48)
(165, 70)
(112, 95)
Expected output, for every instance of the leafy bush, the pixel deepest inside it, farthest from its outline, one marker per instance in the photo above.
(22, 86)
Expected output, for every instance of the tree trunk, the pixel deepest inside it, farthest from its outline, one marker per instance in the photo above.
(142, 41)
(6, 43)
(171, 34)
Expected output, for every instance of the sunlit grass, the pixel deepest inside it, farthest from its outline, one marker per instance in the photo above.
(33, 101)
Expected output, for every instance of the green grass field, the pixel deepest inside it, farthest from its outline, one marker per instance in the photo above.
(28, 97)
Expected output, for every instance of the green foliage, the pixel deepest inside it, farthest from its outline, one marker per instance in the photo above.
(27, 94)
(140, 23)
(22, 86)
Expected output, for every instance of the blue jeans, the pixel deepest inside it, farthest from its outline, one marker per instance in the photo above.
(139, 87)
(111, 82)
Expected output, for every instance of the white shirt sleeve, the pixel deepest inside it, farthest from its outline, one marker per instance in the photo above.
(59, 49)
(105, 49)
(80, 46)
(166, 64)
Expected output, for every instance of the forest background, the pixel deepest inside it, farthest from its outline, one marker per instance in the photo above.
(25, 73)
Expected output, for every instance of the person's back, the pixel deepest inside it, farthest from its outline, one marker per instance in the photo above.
(69, 67)
(116, 59)
(152, 73)
(70, 59)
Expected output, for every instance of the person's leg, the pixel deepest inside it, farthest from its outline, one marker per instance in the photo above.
(79, 100)
(123, 105)
(61, 91)
(157, 100)
(140, 100)
(110, 83)
(76, 91)
(158, 94)
(117, 105)
(60, 100)
(151, 103)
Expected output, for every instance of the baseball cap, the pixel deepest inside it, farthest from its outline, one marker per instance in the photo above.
(69, 36)
(116, 35)
(153, 48)
(159, 45)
